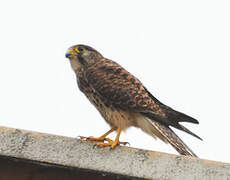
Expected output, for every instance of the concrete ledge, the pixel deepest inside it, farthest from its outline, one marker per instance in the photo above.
(123, 162)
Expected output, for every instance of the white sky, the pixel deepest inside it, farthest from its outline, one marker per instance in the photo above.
(180, 50)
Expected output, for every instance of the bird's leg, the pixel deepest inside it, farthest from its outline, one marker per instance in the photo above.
(112, 143)
(101, 138)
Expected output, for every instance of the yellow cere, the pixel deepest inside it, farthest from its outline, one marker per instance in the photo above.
(70, 51)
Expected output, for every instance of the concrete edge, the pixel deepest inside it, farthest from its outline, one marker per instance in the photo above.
(125, 161)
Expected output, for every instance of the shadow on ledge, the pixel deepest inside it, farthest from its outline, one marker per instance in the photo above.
(27, 155)
(20, 169)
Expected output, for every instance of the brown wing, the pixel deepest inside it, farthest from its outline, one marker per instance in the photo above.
(120, 88)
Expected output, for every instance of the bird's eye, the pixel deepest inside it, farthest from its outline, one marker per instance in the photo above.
(79, 49)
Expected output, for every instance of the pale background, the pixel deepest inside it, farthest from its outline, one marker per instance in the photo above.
(180, 50)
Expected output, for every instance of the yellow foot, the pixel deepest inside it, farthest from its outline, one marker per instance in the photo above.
(111, 143)
(101, 138)
(91, 138)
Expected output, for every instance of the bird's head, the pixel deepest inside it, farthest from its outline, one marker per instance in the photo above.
(82, 56)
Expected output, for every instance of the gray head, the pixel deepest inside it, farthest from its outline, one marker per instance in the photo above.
(82, 56)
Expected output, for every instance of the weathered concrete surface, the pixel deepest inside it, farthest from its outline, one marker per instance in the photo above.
(71, 152)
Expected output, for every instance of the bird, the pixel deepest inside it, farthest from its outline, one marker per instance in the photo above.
(123, 101)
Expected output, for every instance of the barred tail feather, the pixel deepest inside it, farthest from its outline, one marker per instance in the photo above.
(166, 134)
(173, 139)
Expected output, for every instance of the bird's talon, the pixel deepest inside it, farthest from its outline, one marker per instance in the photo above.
(114, 145)
(125, 143)
(91, 138)
(78, 137)
(88, 138)
(83, 138)
(103, 138)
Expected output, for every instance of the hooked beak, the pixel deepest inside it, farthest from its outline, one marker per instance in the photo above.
(67, 55)
(70, 53)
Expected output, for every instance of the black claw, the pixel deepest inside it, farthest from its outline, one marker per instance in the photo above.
(88, 138)
(94, 146)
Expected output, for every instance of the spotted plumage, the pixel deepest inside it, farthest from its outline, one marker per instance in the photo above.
(123, 101)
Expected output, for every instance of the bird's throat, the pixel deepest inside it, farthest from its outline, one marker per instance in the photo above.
(75, 64)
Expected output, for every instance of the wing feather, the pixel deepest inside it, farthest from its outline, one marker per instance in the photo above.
(119, 88)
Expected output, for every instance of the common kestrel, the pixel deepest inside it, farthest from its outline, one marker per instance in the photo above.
(123, 101)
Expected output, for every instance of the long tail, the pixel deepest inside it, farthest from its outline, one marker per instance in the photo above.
(167, 135)
(173, 139)
(172, 119)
